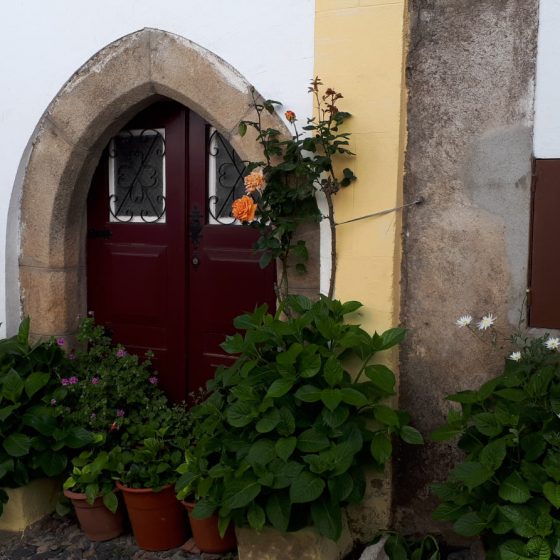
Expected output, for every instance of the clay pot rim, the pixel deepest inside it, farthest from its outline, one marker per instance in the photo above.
(80, 496)
(124, 488)
(189, 506)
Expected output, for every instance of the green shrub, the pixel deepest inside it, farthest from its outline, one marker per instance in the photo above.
(507, 488)
(285, 435)
(37, 439)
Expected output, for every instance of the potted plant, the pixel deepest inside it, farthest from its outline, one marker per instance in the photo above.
(507, 488)
(36, 438)
(149, 472)
(91, 488)
(286, 432)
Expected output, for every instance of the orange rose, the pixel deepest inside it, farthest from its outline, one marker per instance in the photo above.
(290, 116)
(243, 209)
(255, 181)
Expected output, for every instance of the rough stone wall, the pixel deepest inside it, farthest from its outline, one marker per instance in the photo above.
(470, 74)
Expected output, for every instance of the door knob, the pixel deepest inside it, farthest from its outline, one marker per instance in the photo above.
(195, 261)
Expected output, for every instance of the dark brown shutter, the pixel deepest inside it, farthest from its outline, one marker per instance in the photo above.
(544, 300)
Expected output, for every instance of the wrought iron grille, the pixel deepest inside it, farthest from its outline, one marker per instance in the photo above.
(137, 176)
(227, 171)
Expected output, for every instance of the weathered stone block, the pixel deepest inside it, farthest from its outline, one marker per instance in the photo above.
(29, 503)
(306, 544)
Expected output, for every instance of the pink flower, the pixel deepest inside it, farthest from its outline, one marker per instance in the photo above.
(120, 412)
(114, 426)
(94, 380)
(153, 380)
(121, 353)
(60, 341)
(90, 313)
(65, 381)
(71, 356)
(73, 380)
(53, 402)
(93, 415)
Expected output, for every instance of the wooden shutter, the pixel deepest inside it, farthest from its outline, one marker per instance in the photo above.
(544, 301)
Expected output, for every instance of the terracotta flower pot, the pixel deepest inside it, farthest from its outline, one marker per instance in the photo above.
(207, 536)
(157, 519)
(96, 521)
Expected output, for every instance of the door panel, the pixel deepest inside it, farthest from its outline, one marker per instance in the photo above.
(175, 285)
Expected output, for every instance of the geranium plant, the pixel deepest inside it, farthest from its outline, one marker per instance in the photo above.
(282, 189)
(507, 489)
(285, 435)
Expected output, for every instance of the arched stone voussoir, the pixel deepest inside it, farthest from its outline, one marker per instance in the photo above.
(103, 89)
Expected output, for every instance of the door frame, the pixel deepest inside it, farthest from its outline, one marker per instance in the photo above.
(45, 263)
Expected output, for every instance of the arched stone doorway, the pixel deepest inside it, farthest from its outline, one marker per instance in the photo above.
(48, 281)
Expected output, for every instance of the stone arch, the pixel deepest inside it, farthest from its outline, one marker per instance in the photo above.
(48, 280)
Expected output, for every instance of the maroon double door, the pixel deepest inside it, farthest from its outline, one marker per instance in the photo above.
(162, 275)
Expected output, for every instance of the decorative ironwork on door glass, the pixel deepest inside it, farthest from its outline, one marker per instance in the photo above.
(225, 179)
(137, 176)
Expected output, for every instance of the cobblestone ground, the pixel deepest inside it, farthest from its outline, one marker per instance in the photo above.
(61, 539)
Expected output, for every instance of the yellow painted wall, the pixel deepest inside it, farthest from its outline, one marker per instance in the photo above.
(360, 48)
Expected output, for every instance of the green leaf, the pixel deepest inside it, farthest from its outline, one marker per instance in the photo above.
(6, 467)
(256, 517)
(23, 332)
(473, 474)
(327, 518)
(52, 463)
(333, 371)
(280, 387)
(12, 386)
(240, 493)
(17, 445)
(111, 501)
(381, 448)
(285, 447)
(353, 397)
(513, 550)
(306, 487)
(537, 547)
(41, 419)
(35, 382)
(487, 424)
(464, 397)
(448, 512)
(6, 411)
(447, 431)
(240, 414)
(469, 525)
(552, 493)
(261, 452)
(523, 519)
(411, 435)
(309, 362)
(242, 129)
(350, 307)
(77, 437)
(493, 454)
(386, 415)
(382, 377)
(391, 338)
(340, 487)
(203, 509)
(331, 398)
(533, 445)
(278, 509)
(335, 418)
(514, 395)
(513, 489)
(308, 393)
(311, 441)
(268, 422)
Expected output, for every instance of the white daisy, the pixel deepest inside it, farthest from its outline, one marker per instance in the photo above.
(486, 322)
(552, 343)
(515, 356)
(463, 321)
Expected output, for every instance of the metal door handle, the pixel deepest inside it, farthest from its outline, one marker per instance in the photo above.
(195, 261)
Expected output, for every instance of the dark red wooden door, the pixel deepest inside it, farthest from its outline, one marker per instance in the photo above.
(161, 275)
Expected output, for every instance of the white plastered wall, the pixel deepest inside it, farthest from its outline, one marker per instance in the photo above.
(547, 95)
(45, 42)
